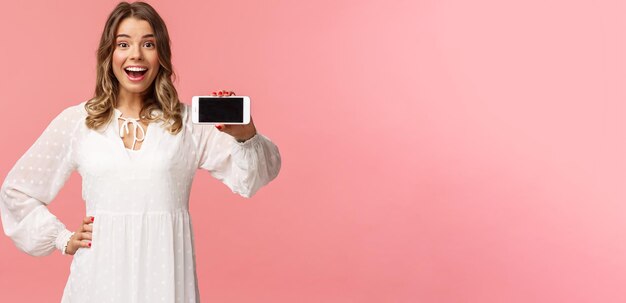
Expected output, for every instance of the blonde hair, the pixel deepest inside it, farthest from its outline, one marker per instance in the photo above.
(161, 95)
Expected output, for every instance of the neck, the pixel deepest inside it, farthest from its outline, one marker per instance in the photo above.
(130, 103)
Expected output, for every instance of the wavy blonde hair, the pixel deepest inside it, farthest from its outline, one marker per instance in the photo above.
(160, 96)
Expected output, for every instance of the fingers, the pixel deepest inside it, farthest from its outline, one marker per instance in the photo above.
(83, 236)
(88, 219)
(223, 93)
(87, 224)
(77, 241)
(82, 244)
(82, 239)
(87, 236)
(88, 227)
(84, 232)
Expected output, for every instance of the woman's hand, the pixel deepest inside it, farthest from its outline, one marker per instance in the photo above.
(83, 233)
(241, 132)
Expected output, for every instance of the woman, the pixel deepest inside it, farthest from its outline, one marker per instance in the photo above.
(137, 152)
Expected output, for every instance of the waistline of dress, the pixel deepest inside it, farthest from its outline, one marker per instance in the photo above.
(137, 213)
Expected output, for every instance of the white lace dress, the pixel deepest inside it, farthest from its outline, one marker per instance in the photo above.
(143, 245)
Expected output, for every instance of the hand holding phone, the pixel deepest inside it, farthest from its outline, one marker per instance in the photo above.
(229, 113)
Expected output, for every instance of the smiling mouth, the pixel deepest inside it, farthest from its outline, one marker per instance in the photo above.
(135, 74)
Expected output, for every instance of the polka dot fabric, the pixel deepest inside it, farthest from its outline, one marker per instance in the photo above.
(143, 244)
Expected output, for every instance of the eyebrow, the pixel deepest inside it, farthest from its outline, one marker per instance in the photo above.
(127, 36)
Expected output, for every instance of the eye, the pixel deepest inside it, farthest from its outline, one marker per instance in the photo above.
(122, 44)
(149, 44)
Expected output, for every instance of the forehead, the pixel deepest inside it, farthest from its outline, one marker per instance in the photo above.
(135, 28)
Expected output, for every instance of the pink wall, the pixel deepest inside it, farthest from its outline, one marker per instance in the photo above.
(433, 151)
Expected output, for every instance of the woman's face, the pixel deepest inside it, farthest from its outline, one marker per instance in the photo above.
(135, 58)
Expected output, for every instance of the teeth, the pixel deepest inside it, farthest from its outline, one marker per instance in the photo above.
(136, 69)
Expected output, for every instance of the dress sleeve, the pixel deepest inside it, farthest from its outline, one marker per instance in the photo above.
(33, 183)
(243, 167)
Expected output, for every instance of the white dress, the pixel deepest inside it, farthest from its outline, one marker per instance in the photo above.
(143, 246)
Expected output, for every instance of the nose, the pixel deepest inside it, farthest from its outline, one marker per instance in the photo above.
(136, 53)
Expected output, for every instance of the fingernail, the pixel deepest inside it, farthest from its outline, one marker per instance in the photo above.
(219, 94)
(92, 219)
(218, 127)
(89, 244)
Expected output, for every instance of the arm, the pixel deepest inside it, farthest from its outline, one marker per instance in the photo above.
(244, 167)
(32, 184)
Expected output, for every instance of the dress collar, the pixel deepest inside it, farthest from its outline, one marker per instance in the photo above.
(118, 113)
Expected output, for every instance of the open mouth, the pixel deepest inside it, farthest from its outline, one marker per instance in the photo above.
(136, 73)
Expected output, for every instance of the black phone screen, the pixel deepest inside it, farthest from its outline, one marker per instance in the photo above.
(220, 110)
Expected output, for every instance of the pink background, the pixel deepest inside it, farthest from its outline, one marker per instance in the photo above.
(433, 151)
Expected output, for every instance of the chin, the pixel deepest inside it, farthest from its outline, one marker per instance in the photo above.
(135, 89)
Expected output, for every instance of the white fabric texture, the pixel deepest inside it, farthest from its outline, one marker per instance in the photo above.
(143, 246)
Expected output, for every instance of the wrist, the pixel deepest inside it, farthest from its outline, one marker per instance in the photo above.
(62, 240)
(64, 252)
(246, 138)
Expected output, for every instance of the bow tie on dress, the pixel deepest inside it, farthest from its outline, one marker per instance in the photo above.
(135, 123)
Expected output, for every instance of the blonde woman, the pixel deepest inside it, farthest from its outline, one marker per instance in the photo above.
(137, 151)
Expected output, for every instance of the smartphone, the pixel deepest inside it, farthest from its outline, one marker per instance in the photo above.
(220, 110)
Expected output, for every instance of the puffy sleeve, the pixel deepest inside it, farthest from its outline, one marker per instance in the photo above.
(33, 183)
(243, 167)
